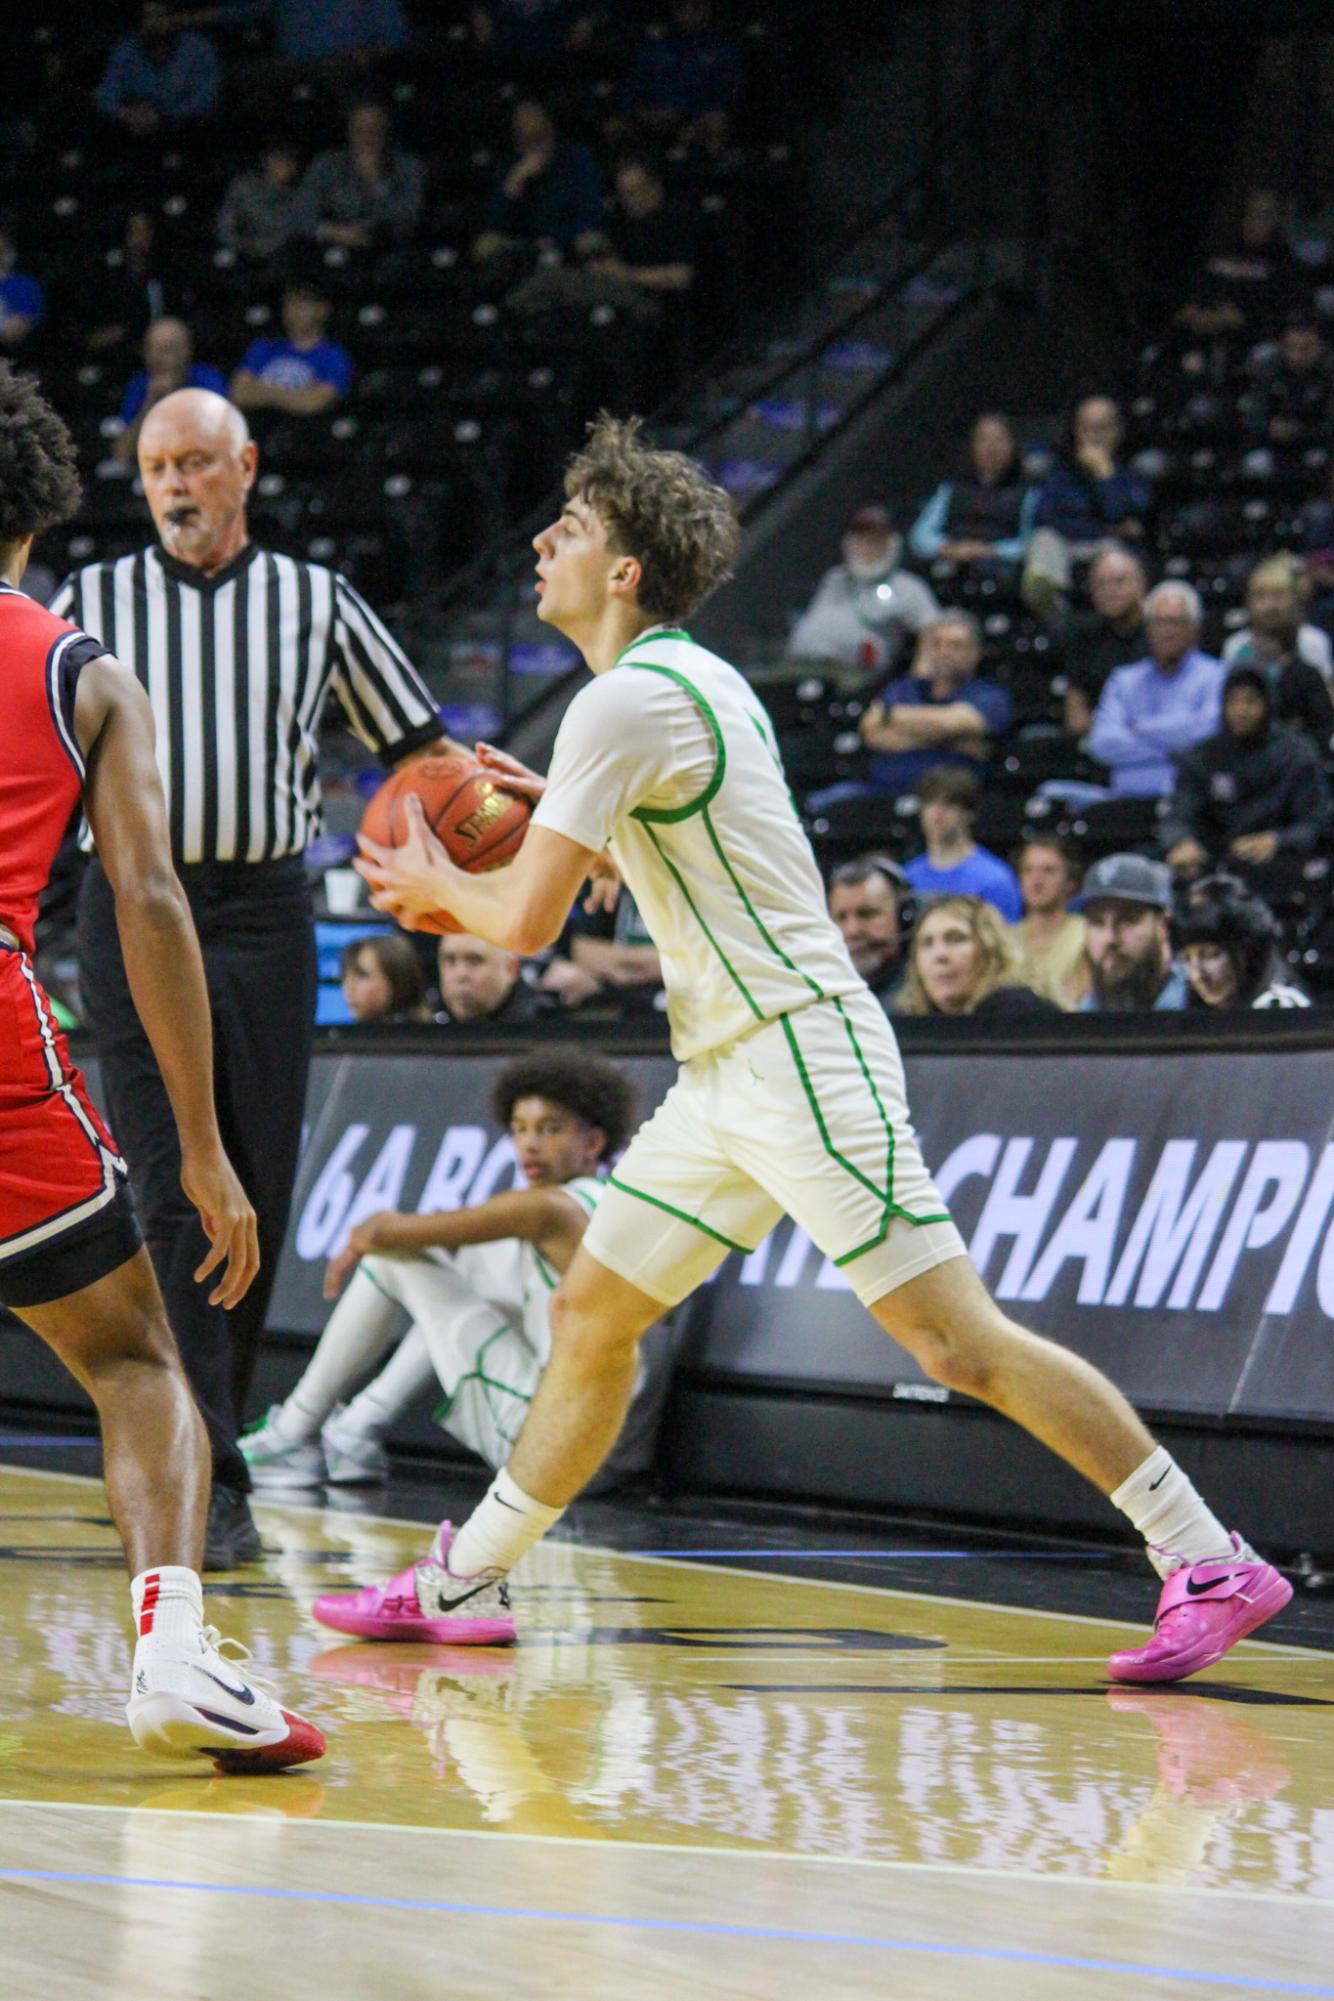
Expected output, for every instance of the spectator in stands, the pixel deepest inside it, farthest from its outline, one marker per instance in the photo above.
(1292, 399)
(551, 193)
(1247, 287)
(1049, 937)
(871, 901)
(261, 211)
(651, 245)
(304, 373)
(1228, 940)
(865, 605)
(1127, 902)
(1293, 655)
(366, 195)
(984, 517)
(169, 364)
(962, 962)
(160, 77)
(22, 300)
(1093, 643)
(1254, 793)
(1088, 497)
(606, 956)
(942, 713)
(1152, 712)
(684, 72)
(480, 982)
(953, 863)
(133, 291)
(381, 979)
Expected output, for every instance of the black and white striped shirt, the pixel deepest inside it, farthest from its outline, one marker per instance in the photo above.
(238, 667)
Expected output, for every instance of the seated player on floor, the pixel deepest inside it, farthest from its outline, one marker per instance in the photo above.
(475, 1284)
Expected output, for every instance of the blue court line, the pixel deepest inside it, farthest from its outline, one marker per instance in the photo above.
(824, 1555)
(684, 1927)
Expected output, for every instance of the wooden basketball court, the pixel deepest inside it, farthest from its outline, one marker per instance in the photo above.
(688, 1779)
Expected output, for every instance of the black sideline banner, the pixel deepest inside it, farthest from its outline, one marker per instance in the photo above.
(1168, 1215)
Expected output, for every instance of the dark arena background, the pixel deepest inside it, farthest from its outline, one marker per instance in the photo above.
(1008, 325)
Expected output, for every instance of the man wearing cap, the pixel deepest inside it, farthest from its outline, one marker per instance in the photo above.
(866, 603)
(1126, 901)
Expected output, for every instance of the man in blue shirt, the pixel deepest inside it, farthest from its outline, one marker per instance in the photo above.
(940, 713)
(1126, 902)
(551, 193)
(160, 77)
(954, 864)
(1151, 712)
(169, 365)
(22, 300)
(303, 373)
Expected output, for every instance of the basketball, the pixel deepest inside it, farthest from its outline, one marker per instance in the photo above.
(480, 823)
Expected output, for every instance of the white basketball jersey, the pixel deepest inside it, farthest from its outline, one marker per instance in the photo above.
(670, 758)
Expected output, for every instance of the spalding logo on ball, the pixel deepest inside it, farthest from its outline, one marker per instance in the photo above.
(479, 823)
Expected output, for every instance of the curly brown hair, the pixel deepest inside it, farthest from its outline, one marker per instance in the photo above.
(38, 482)
(596, 1091)
(662, 509)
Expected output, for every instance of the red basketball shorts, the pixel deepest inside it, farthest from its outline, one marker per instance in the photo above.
(65, 1214)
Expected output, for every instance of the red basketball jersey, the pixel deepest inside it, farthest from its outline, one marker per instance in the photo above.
(41, 766)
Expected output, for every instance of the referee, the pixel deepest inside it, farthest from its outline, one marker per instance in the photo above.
(238, 649)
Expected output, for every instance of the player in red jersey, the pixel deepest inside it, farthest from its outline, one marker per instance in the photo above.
(78, 728)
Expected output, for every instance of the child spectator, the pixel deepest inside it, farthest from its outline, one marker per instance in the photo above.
(953, 863)
(303, 373)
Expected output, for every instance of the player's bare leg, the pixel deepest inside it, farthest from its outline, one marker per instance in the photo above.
(573, 1421)
(114, 1338)
(950, 1324)
(1215, 1589)
(577, 1412)
(186, 1696)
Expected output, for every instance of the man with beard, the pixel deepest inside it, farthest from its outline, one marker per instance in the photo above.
(1127, 901)
(866, 604)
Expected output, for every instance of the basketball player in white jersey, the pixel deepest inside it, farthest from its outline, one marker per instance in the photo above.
(475, 1284)
(790, 1096)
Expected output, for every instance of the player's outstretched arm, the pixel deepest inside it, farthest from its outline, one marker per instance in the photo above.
(522, 908)
(547, 1217)
(128, 815)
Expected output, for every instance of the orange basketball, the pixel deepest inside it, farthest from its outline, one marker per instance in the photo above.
(480, 824)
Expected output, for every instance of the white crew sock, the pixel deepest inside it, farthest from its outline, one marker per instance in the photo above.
(359, 1330)
(504, 1524)
(168, 1605)
(400, 1382)
(1169, 1514)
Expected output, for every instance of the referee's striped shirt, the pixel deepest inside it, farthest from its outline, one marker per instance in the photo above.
(238, 667)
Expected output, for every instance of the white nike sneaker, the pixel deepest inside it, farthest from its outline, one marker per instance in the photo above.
(202, 1701)
(350, 1458)
(469, 1610)
(274, 1461)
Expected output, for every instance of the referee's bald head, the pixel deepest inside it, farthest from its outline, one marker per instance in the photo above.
(196, 412)
(197, 463)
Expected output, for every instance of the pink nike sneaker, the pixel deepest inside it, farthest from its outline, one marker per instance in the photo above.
(1205, 1608)
(457, 1612)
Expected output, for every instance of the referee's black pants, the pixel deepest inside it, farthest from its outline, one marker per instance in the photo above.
(257, 935)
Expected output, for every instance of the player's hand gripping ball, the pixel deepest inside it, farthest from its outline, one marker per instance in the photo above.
(479, 823)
